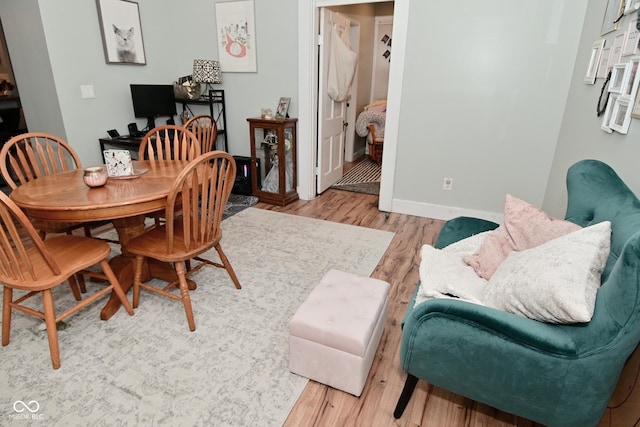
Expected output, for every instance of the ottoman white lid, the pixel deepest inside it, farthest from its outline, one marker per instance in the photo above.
(341, 311)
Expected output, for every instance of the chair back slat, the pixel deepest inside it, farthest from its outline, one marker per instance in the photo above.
(169, 142)
(33, 155)
(21, 248)
(200, 192)
(205, 129)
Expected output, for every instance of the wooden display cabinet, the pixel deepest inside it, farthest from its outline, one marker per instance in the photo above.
(274, 177)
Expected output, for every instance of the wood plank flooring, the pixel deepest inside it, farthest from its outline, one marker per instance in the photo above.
(320, 405)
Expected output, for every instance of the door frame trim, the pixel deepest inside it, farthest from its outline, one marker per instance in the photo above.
(308, 107)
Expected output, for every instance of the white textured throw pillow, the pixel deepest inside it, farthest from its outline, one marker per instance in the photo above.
(443, 274)
(555, 282)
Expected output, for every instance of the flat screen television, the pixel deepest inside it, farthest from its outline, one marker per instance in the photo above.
(151, 101)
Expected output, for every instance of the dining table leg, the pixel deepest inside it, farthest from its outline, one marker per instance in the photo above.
(123, 263)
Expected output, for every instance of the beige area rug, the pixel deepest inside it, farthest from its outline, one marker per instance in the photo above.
(149, 370)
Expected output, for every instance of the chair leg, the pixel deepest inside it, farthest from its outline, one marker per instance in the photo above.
(184, 292)
(7, 299)
(52, 332)
(137, 280)
(227, 266)
(73, 284)
(111, 277)
(405, 396)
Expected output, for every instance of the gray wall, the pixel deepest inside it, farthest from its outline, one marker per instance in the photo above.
(483, 99)
(490, 97)
(66, 35)
(580, 136)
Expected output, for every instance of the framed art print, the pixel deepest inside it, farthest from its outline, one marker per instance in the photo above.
(611, 14)
(620, 116)
(635, 110)
(616, 49)
(630, 45)
(619, 77)
(606, 119)
(121, 32)
(236, 30)
(594, 62)
(603, 67)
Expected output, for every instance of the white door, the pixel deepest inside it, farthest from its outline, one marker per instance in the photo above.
(332, 115)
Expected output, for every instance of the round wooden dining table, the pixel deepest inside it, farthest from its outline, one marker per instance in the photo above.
(125, 202)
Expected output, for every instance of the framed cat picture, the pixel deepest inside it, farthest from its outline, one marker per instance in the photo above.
(121, 32)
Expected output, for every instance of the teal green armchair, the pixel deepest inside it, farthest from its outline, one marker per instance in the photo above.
(557, 375)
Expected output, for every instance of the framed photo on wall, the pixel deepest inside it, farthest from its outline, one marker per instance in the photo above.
(603, 67)
(611, 14)
(236, 29)
(620, 116)
(619, 76)
(594, 62)
(630, 45)
(121, 32)
(635, 112)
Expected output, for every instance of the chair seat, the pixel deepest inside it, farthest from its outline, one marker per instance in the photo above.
(60, 246)
(153, 244)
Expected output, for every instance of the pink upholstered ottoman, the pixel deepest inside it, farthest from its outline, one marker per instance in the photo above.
(334, 334)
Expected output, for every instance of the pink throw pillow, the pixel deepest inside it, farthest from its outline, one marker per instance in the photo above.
(524, 227)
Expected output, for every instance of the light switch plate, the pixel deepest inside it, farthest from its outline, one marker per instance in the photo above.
(87, 91)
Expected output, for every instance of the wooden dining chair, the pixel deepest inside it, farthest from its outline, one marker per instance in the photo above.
(32, 155)
(169, 142)
(200, 191)
(204, 127)
(36, 266)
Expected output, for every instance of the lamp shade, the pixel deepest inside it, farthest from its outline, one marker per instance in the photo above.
(207, 71)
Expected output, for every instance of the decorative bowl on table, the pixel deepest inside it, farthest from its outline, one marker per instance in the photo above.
(95, 176)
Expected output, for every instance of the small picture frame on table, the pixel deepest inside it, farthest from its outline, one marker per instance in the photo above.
(282, 112)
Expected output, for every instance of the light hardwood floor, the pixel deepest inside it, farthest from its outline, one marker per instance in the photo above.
(320, 405)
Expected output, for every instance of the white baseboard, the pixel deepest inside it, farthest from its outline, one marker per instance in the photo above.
(428, 210)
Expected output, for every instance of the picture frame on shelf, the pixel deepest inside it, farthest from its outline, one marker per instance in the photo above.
(121, 31)
(603, 67)
(611, 14)
(594, 62)
(282, 112)
(606, 118)
(630, 45)
(621, 115)
(619, 75)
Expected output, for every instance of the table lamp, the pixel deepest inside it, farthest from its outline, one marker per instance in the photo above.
(207, 71)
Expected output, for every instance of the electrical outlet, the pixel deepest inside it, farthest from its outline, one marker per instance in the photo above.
(447, 184)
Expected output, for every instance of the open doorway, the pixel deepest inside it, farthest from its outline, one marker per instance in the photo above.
(372, 23)
(12, 121)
